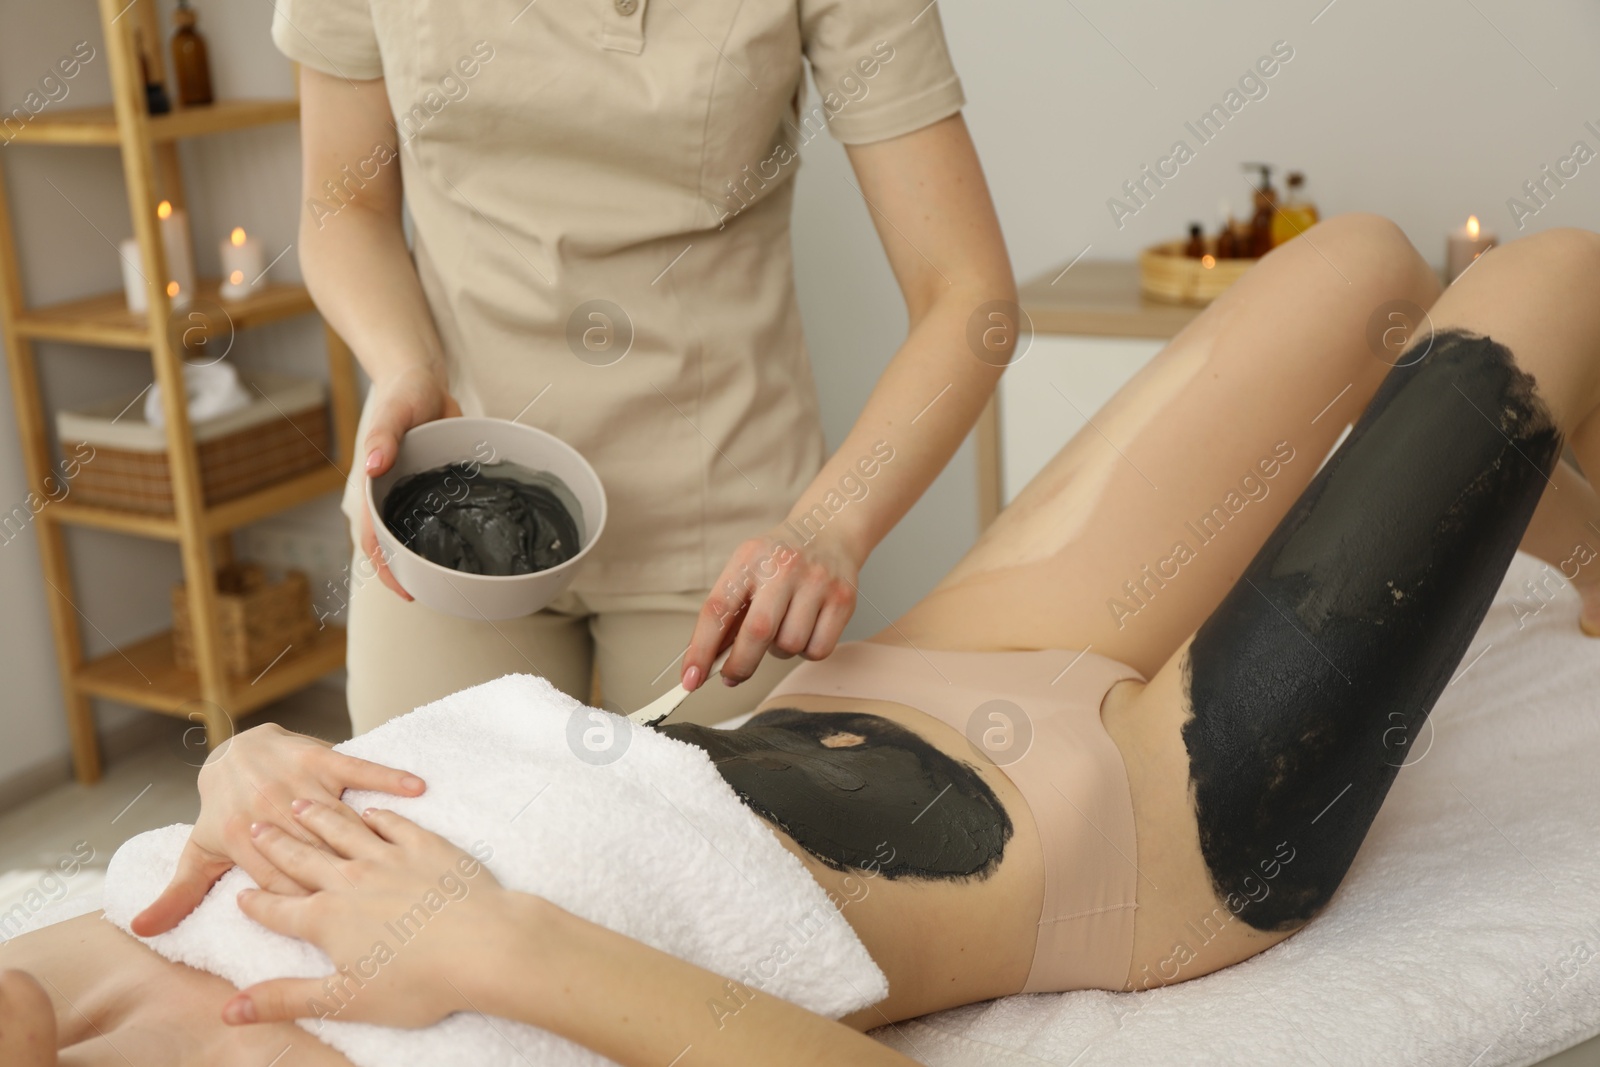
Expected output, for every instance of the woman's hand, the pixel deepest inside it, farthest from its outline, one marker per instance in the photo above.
(774, 595)
(407, 398)
(253, 779)
(412, 922)
(417, 929)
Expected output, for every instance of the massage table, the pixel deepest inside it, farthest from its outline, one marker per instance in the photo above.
(1465, 934)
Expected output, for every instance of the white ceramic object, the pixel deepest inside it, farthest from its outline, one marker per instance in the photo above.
(465, 440)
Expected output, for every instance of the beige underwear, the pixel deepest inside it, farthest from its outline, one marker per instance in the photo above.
(1036, 715)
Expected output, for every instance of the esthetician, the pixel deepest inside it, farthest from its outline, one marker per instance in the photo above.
(599, 195)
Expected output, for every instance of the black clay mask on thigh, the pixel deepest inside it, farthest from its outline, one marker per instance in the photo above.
(1311, 680)
(494, 518)
(860, 791)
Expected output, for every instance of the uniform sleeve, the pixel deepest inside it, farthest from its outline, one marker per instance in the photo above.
(881, 66)
(333, 36)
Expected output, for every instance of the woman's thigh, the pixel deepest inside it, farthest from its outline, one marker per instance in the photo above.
(1129, 537)
(402, 655)
(1261, 751)
(118, 1003)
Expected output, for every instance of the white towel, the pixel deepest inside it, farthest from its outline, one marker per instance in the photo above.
(213, 390)
(1467, 933)
(653, 844)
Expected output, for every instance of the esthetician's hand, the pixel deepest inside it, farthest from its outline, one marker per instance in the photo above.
(253, 779)
(776, 594)
(373, 871)
(409, 398)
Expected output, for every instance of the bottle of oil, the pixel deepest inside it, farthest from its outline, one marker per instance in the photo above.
(1196, 246)
(1226, 246)
(1296, 214)
(189, 62)
(155, 94)
(1266, 201)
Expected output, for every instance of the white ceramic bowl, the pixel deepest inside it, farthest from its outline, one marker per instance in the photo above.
(463, 440)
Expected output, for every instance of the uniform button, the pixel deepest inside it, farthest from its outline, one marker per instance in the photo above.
(626, 7)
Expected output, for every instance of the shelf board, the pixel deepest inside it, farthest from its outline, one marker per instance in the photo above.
(146, 675)
(219, 519)
(98, 125)
(271, 499)
(104, 319)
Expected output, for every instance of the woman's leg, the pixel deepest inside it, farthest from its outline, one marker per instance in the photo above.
(1565, 533)
(1261, 751)
(1137, 528)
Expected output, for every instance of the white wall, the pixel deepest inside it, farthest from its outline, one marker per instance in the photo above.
(1423, 111)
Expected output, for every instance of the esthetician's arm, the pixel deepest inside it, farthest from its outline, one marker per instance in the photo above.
(928, 199)
(488, 949)
(360, 273)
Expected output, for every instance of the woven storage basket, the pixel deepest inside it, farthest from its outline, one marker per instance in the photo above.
(1165, 273)
(282, 432)
(259, 619)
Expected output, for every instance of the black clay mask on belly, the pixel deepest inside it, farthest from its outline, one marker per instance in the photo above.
(494, 518)
(1314, 675)
(844, 785)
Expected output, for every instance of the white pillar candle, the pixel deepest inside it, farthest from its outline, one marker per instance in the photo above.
(133, 277)
(180, 253)
(1466, 245)
(242, 273)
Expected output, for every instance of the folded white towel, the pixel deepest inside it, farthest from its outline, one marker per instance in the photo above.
(653, 844)
(213, 390)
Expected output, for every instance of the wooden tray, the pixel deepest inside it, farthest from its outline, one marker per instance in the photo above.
(1165, 273)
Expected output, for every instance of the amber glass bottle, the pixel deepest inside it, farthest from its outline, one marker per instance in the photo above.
(1296, 215)
(1266, 201)
(189, 63)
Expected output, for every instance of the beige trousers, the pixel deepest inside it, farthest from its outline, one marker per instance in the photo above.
(403, 655)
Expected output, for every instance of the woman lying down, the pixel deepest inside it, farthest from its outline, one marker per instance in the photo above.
(1076, 822)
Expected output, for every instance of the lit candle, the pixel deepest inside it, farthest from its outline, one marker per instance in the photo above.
(242, 273)
(1466, 245)
(180, 253)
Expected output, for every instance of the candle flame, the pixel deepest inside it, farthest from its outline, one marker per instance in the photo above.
(172, 288)
(1208, 261)
(164, 209)
(237, 237)
(236, 278)
(1472, 227)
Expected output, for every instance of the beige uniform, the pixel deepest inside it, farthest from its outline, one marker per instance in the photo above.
(600, 192)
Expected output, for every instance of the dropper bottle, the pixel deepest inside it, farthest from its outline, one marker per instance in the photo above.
(1266, 199)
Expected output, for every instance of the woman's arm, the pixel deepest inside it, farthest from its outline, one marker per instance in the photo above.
(930, 204)
(640, 1006)
(488, 949)
(359, 270)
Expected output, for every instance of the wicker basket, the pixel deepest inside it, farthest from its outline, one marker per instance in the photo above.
(260, 620)
(1165, 273)
(283, 432)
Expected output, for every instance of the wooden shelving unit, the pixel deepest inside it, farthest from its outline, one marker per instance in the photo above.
(144, 673)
